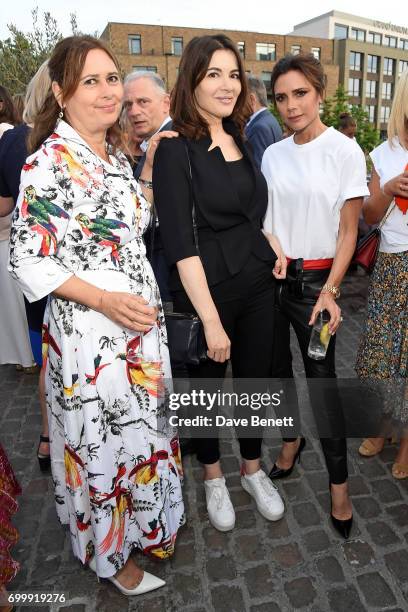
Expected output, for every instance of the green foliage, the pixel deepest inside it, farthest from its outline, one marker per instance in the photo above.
(367, 136)
(22, 53)
(275, 113)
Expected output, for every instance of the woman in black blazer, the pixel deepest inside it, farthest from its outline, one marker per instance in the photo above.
(229, 283)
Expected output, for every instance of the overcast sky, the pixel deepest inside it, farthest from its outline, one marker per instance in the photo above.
(257, 15)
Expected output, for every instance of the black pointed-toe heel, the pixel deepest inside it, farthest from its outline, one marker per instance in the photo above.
(342, 527)
(43, 460)
(277, 472)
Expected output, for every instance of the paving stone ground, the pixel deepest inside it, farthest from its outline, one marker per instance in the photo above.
(298, 563)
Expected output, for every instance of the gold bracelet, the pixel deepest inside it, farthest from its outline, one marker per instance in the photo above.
(335, 291)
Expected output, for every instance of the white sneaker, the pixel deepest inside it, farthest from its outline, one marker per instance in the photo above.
(268, 501)
(220, 509)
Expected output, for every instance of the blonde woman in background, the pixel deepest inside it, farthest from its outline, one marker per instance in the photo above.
(383, 352)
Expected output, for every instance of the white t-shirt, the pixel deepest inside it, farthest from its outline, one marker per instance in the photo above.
(307, 187)
(389, 161)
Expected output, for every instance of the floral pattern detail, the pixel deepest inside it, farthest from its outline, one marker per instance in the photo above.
(9, 489)
(383, 350)
(115, 459)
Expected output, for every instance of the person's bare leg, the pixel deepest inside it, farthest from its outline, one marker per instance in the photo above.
(402, 456)
(212, 470)
(341, 504)
(44, 446)
(287, 454)
(130, 575)
(251, 466)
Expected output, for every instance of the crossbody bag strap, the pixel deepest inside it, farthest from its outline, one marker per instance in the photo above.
(193, 214)
(193, 206)
(387, 214)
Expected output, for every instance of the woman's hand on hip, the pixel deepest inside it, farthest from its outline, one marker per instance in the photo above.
(127, 310)
(218, 343)
(327, 302)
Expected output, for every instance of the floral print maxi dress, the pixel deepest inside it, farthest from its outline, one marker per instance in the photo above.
(115, 461)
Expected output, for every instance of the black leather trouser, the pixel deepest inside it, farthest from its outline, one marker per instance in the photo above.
(294, 302)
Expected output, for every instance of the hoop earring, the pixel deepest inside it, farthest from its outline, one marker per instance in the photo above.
(61, 114)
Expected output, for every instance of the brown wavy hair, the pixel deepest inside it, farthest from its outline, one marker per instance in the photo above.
(193, 67)
(7, 114)
(307, 64)
(65, 67)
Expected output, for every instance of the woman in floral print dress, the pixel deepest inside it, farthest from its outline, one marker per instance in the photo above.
(77, 235)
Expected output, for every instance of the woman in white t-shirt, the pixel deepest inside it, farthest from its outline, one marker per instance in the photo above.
(383, 352)
(316, 182)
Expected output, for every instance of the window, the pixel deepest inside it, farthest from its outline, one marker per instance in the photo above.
(374, 37)
(340, 31)
(403, 44)
(390, 41)
(316, 51)
(295, 49)
(241, 48)
(357, 34)
(371, 111)
(371, 89)
(388, 69)
(266, 51)
(135, 44)
(385, 113)
(372, 63)
(266, 78)
(176, 45)
(386, 91)
(145, 68)
(354, 87)
(355, 60)
(402, 66)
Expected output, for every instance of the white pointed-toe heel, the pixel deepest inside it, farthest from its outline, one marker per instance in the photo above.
(148, 583)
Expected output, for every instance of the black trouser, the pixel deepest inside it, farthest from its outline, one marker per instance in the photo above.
(245, 304)
(295, 299)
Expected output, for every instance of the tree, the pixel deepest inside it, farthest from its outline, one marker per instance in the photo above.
(367, 136)
(21, 54)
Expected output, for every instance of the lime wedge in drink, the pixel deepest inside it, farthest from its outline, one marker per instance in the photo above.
(325, 335)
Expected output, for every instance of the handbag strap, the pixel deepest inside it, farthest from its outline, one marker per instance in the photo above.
(387, 214)
(193, 213)
(193, 207)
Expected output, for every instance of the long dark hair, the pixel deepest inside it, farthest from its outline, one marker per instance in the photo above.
(7, 114)
(193, 67)
(65, 67)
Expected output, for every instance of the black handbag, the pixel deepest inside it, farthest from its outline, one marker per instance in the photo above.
(185, 331)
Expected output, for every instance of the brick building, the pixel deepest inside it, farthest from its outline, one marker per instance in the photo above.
(158, 48)
(371, 56)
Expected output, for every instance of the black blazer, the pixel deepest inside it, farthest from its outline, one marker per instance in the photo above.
(228, 230)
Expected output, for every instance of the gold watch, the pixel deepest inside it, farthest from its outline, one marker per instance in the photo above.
(335, 291)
